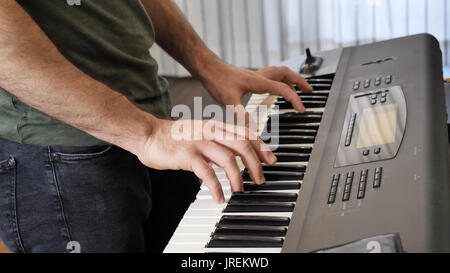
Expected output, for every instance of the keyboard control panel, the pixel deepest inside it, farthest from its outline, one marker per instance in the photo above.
(374, 127)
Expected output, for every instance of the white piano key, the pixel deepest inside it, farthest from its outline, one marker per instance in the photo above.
(191, 238)
(206, 192)
(199, 247)
(174, 247)
(242, 250)
(199, 221)
(206, 204)
(200, 230)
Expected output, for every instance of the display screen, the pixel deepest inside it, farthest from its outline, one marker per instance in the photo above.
(377, 126)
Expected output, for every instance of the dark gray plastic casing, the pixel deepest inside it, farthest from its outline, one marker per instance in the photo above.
(414, 197)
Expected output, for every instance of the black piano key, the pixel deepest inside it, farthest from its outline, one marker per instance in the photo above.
(299, 115)
(249, 207)
(272, 186)
(307, 104)
(229, 241)
(313, 97)
(321, 86)
(293, 150)
(314, 104)
(298, 118)
(302, 114)
(254, 220)
(293, 126)
(313, 94)
(309, 97)
(291, 139)
(250, 231)
(277, 176)
(284, 168)
(263, 197)
(284, 158)
(320, 80)
(291, 132)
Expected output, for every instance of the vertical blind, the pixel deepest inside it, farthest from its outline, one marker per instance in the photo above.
(258, 33)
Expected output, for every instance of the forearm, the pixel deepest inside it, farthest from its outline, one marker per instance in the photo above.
(177, 37)
(35, 72)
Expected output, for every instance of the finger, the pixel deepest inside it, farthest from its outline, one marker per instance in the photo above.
(226, 159)
(232, 132)
(281, 89)
(263, 151)
(206, 173)
(286, 75)
(296, 79)
(247, 152)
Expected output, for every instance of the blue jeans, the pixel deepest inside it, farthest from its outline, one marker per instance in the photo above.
(92, 199)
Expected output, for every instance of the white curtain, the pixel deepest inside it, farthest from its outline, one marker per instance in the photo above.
(257, 33)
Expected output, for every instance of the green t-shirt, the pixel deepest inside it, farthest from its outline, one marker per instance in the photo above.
(108, 40)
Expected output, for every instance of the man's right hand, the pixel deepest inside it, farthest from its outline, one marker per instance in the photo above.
(215, 143)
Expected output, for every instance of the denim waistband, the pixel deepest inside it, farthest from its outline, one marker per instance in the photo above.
(9, 145)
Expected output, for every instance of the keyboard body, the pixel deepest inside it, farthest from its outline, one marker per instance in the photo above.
(414, 197)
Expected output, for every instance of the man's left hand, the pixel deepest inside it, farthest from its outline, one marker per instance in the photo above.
(228, 84)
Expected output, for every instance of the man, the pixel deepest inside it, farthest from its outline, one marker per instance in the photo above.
(84, 120)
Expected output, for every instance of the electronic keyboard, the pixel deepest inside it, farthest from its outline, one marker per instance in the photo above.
(367, 163)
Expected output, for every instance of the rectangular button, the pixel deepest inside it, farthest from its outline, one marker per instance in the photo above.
(362, 186)
(389, 79)
(361, 194)
(331, 199)
(347, 142)
(333, 191)
(377, 177)
(377, 183)
(346, 197)
(350, 128)
(335, 183)
(351, 175)
(348, 188)
(378, 81)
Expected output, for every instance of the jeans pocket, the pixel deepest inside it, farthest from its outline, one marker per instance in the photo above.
(9, 229)
(82, 153)
(104, 199)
